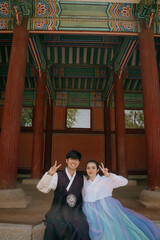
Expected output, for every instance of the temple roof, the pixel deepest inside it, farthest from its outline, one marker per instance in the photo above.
(79, 43)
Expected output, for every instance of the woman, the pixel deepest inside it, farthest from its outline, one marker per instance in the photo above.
(107, 218)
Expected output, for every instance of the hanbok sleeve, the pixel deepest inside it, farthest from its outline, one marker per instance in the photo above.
(47, 183)
(117, 180)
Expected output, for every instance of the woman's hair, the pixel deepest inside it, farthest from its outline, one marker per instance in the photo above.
(93, 161)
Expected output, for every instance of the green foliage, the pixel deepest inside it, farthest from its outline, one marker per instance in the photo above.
(26, 117)
(71, 117)
(134, 119)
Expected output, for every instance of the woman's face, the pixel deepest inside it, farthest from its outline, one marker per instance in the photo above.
(92, 170)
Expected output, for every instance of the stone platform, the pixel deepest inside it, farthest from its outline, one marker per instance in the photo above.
(9, 231)
(27, 223)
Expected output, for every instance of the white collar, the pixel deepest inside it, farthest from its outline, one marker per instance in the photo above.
(71, 178)
(68, 174)
(96, 179)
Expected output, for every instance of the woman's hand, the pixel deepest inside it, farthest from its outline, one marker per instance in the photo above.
(104, 170)
(53, 169)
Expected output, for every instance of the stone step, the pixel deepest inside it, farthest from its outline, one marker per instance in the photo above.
(10, 231)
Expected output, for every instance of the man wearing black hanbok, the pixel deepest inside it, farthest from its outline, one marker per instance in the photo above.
(66, 209)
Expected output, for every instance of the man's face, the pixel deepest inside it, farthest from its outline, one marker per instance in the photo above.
(72, 164)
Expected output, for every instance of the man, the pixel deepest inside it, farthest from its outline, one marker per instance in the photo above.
(66, 209)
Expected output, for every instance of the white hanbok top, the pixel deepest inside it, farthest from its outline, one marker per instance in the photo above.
(48, 182)
(101, 187)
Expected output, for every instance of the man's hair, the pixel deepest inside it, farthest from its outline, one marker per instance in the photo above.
(74, 155)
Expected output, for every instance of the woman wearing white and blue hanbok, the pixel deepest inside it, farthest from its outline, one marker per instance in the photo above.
(107, 218)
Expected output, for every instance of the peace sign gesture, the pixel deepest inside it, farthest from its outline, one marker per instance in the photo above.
(53, 169)
(104, 170)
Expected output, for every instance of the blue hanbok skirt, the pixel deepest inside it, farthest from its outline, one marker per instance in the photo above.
(109, 220)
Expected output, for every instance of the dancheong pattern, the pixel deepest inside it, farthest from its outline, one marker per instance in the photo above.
(44, 9)
(56, 15)
(43, 24)
(3, 24)
(120, 11)
(4, 9)
(158, 13)
(64, 98)
(6, 23)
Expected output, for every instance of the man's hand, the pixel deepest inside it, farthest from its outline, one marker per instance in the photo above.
(53, 169)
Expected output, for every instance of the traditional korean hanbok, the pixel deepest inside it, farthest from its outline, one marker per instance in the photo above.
(66, 209)
(108, 219)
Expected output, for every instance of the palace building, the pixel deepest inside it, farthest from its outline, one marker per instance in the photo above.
(72, 75)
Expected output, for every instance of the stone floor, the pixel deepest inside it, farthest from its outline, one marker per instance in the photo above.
(26, 223)
(40, 203)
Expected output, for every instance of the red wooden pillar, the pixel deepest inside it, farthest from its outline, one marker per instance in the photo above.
(151, 100)
(48, 142)
(11, 120)
(38, 125)
(121, 156)
(107, 125)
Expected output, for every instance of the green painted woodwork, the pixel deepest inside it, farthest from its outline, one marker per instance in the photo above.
(137, 58)
(81, 55)
(3, 55)
(133, 72)
(109, 60)
(100, 84)
(83, 9)
(78, 72)
(102, 56)
(39, 50)
(67, 55)
(3, 69)
(78, 99)
(56, 82)
(127, 83)
(40, 60)
(83, 38)
(63, 83)
(70, 83)
(78, 104)
(84, 25)
(82, 82)
(80, 63)
(95, 56)
(133, 100)
(79, 15)
(74, 55)
(49, 85)
(2, 83)
(59, 55)
(145, 8)
(88, 83)
(139, 85)
(125, 48)
(76, 83)
(23, 7)
(88, 55)
(108, 86)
